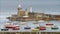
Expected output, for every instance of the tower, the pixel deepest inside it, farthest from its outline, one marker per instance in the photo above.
(19, 10)
(26, 13)
(30, 8)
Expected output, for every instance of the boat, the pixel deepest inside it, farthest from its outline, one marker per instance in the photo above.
(35, 30)
(11, 25)
(41, 21)
(16, 28)
(42, 28)
(49, 24)
(27, 27)
(55, 27)
(4, 29)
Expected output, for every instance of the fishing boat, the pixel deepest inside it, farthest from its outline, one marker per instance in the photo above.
(27, 27)
(42, 28)
(49, 24)
(16, 28)
(54, 28)
(41, 21)
(11, 25)
(4, 29)
(34, 30)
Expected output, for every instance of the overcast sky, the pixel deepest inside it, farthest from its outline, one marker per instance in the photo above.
(8, 7)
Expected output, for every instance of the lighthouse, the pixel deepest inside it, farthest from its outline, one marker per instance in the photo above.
(19, 10)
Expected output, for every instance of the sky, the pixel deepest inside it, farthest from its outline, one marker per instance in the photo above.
(9, 7)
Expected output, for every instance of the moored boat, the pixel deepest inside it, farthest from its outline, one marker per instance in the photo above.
(16, 28)
(41, 21)
(34, 30)
(12, 26)
(4, 29)
(55, 27)
(49, 24)
(42, 28)
(27, 27)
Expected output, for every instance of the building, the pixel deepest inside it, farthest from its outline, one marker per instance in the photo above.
(24, 15)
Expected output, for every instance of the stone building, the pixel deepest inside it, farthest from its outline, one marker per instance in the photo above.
(25, 15)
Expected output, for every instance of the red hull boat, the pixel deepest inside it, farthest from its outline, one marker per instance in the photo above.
(16, 28)
(42, 28)
(49, 24)
(11, 26)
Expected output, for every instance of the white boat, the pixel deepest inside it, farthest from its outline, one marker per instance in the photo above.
(10, 25)
(41, 21)
(49, 24)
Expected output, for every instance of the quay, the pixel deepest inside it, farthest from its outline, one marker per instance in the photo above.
(29, 32)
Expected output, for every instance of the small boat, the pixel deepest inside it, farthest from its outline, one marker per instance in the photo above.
(41, 21)
(4, 29)
(42, 28)
(27, 27)
(49, 24)
(10, 25)
(35, 30)
(55, 27)
(16, 28)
